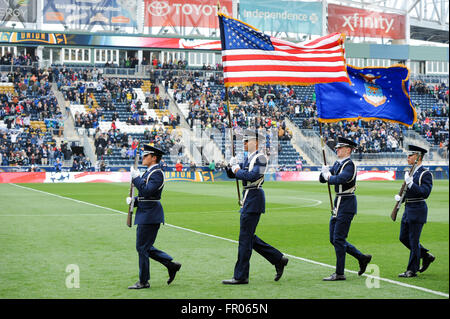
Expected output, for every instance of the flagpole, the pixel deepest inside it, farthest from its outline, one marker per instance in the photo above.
(325, 163)
(230, 125)
(233, 150)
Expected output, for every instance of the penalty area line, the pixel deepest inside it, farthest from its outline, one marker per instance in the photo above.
(234, 241)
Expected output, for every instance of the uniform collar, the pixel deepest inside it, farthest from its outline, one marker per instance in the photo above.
(417, 168)
(343, 160)
(150, 168)
(251, 155)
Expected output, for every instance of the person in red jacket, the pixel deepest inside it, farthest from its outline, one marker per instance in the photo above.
(179, 166)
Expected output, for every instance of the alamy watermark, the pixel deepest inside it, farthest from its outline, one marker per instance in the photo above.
(373, 278)
(73, 279)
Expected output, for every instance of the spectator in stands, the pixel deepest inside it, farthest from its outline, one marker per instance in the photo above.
(102, 167)
(123, 152)
(212, 166)
(58, 165)
(179, 166)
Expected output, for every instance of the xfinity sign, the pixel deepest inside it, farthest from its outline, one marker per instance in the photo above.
(365, 23)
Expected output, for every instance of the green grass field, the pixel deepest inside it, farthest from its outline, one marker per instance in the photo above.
(44, 228)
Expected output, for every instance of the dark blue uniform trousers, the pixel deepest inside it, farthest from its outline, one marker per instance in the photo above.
(145, 238)
(339, 228)
(409, 236)
(249, 241)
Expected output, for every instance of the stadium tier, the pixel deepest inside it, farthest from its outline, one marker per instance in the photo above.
(136, 106)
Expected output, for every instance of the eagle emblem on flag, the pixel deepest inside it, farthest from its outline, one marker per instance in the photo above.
(373, 92)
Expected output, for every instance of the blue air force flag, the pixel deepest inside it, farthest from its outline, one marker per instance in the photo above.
(374, 93)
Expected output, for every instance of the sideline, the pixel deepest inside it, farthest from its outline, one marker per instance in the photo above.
(234, 241)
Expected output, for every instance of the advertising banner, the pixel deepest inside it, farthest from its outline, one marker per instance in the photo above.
(365, 23)
(102, 40)
(97, 177)
(188, 176)
(18, 10)
(282, 16)
(314, 176)
(87, 177)
(22, 177)
(185, 13)
(90, 12)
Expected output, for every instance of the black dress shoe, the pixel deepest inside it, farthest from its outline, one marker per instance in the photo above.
(427, 260)
(280, 267)
(363, 264)
(334, 277)
(173, 269)
(233, 281)
(407, 274)
(139, 285)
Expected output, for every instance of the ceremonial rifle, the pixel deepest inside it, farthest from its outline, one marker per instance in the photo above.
(131, 207)
(403, 192)
(233, 150)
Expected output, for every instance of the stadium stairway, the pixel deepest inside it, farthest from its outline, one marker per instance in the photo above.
(70, 133)
(308, 145)
(197, 140)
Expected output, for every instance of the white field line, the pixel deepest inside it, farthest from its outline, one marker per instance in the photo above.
(234, 241)
(54, 215)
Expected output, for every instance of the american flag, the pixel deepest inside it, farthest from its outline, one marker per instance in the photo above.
(251, 57)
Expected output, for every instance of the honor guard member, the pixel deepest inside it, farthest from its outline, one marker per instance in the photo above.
(343, 176)
(251, 172)
(419, 187)
(149, 216)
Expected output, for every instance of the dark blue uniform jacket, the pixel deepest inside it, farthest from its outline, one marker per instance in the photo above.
(416, 209)
(343, 177)
(252, 180)
(150, 186)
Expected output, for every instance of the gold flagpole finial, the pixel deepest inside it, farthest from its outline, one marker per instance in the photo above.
(218, 6)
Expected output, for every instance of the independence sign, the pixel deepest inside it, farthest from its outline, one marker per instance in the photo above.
(283, 16)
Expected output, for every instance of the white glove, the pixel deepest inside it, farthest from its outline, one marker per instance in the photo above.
(134, 172)
(326, 175)
(235, 167)
(233, 161)
(397, 198)
(325, 169)
(408, 179)
(129, 199)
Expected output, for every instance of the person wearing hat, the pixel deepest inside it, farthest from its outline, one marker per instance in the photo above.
(343, 176)
(418, 188)
(251, 172)
(149, 216)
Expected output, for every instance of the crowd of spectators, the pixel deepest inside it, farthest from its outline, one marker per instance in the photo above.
(371, 137)
(32, 100)
(439, 91)
(21, 59)
(434, 128)
(253, 107)
(29, 146)
(106, 142)
(432, 123)
(267, 106)
(80, 163)
(208, 110)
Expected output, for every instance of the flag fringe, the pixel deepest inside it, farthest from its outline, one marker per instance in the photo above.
(362, 118)
(232, 84)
